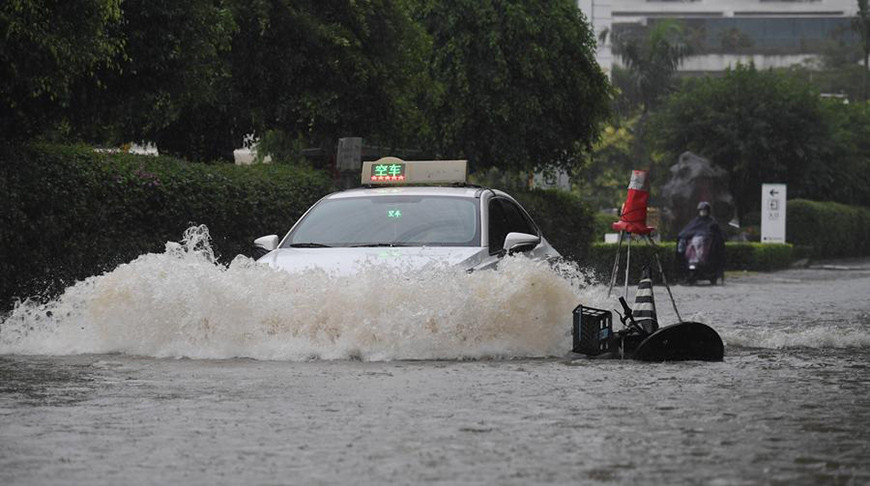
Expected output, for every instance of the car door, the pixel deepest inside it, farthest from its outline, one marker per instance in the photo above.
(505, 216)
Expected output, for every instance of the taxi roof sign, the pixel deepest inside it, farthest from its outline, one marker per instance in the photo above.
(393, 171)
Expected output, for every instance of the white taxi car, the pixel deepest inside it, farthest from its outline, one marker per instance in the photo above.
(408, 214)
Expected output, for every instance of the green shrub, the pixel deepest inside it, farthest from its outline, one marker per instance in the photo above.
(565, 221)
(604, 224)
(70, 213)
(739, 256)
(761, 257)
(829, 229)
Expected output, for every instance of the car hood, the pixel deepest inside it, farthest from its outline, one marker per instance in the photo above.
(346, 261)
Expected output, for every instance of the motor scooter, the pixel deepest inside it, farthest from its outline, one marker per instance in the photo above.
(700, 259)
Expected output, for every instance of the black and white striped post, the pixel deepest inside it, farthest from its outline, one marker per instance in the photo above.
(644, 311)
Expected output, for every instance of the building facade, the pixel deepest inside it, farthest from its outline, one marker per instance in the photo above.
(770, 33)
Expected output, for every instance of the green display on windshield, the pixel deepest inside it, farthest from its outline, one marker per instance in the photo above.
(388, 172)
(394, 213)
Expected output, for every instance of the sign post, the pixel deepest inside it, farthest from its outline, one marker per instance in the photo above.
(349, 156)
(773, 213)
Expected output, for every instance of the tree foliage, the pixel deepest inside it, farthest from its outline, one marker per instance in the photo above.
(517, 81)
(322, 69)
(172, 85)
(651, 58)
(602, 180)
(764, 126)
(45, 48)
(845, 176)
(503, 82)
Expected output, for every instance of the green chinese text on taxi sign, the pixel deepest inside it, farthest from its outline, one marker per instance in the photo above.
(388, 172)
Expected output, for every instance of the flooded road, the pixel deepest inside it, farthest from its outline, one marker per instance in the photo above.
(789, 405)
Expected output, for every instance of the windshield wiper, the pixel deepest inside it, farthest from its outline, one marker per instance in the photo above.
(361, 245)
(309, 245)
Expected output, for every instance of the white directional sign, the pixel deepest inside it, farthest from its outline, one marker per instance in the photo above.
(773, 213)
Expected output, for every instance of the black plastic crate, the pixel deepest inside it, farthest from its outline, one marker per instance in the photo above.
(592, 330)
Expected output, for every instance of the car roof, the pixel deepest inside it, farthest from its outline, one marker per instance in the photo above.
(460, 191)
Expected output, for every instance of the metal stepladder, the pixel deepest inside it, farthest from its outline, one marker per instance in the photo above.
(613, 273)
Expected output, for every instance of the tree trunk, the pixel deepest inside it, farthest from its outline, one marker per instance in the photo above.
(866, 68)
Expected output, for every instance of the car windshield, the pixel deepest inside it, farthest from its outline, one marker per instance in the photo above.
(389, 221)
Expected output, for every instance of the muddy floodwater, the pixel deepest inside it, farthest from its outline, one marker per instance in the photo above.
(175, 370)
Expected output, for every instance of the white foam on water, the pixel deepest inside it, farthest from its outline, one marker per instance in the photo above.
(808, 332)
(832, 335)
(181, 303)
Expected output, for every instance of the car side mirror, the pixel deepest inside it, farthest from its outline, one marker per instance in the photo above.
(267, 243)
(514, 241)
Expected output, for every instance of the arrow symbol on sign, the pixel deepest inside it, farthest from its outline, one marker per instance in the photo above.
(774, 192)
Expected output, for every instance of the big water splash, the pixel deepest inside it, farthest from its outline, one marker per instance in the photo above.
(182, 303)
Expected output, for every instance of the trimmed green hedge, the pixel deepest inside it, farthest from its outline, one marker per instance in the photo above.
(738, 256)
(761, 257)
(829, 229)
(69, 213)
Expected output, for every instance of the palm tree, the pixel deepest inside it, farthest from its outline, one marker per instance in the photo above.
(652, 60)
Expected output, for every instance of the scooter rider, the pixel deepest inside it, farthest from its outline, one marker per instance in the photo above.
(704, 225)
